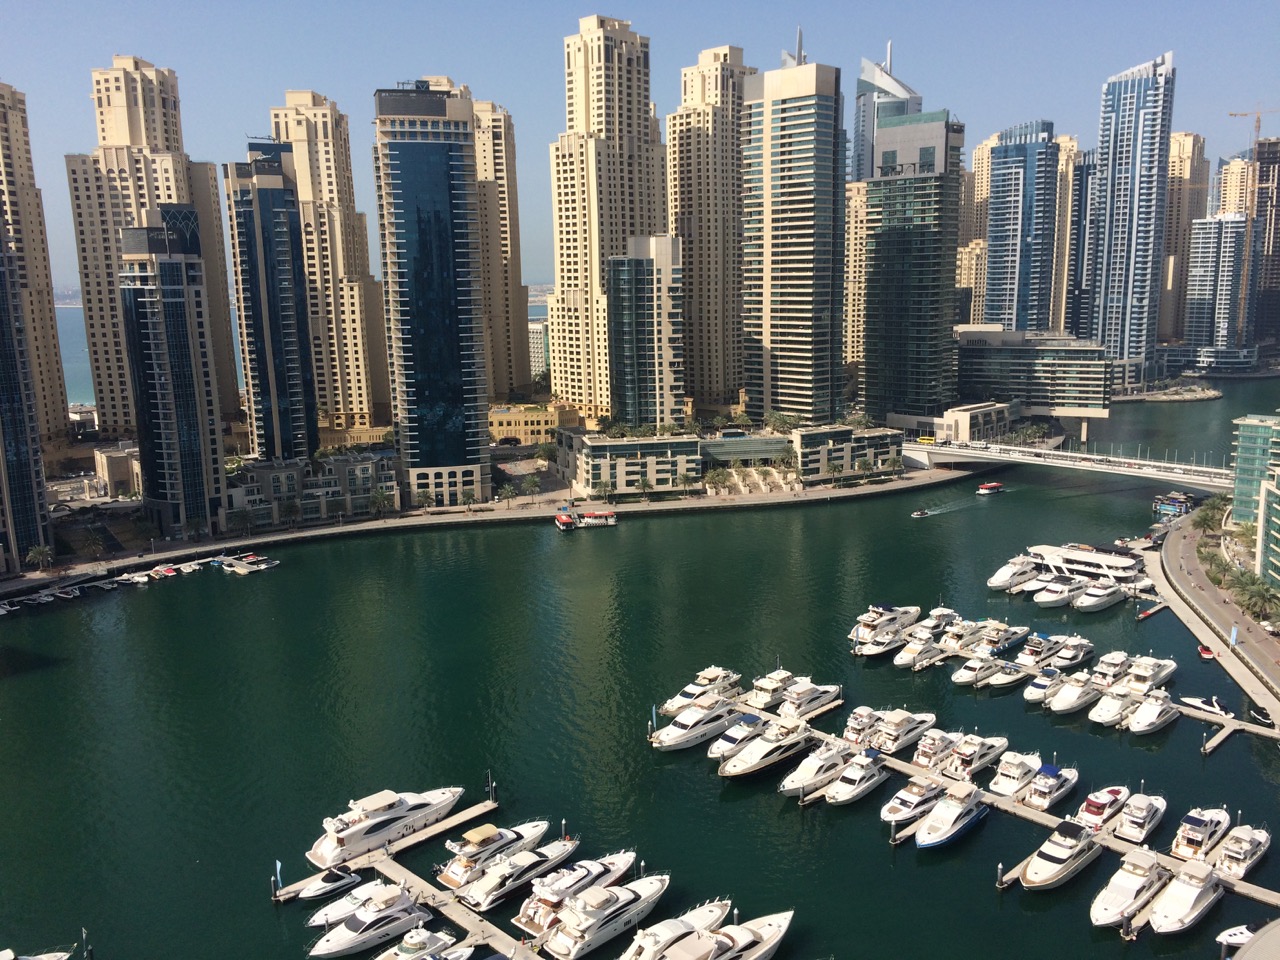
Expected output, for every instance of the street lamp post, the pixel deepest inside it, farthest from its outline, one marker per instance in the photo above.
(153, 546)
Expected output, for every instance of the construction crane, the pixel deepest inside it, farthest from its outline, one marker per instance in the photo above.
(1257, 127)
(1250, 207)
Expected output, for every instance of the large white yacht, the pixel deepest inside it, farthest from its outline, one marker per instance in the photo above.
(480, 846)
(1017, 571)
(1098, 596)
(1243, 847)
(1076, 693)
(756, 939)
(1039, 650)
(507, 874)
(1099, 563)
(708, 716)
(735, 739)
(781, 740)
(598, 914)
(861, 725)
(998, 638)
(899, 729)
(539, 912)
(380, 918)
(1139, 817)
(330, 883)
(818, 769)
(932, 626)
(805, 697)
(913, 801)
(1034, 585)
(766, 691)
(1181, 904)
(1199, 832)
(1130, 888)
(711, 680)
(1156, 711)
(1061, 591)
(1044, 685)
(1015, 771)
(421, 944)
(1146, 673)
(1076, 651)
(917, 650)
(376, 819)
(974, 670)
(336, 911)
(934, 747)
(1100, 806)
(1050, 785)
(960, 635)
(954, 816)
(1112, 668)
(863, 774)
(973, 754)
(1007, 675)
(652, 942)
(1114, 707)
(882, 618)
(1069, 849)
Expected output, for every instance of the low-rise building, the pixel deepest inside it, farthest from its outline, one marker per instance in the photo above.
(963, 424)
(591, 463)
(322, 489)
(825, 454)
(117, 470)
(1254, 458)
(531, 423)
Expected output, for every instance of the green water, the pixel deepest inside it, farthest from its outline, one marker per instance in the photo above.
(162, 746)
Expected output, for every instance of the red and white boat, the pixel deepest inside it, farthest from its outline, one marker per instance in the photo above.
(987, 489)
(564, 523)
(597, 518)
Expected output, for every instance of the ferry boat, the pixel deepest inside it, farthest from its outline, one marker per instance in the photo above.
(564, 523)
(990, 489)
(595, 518)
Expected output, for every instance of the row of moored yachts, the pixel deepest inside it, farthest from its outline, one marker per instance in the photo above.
(1090, 579)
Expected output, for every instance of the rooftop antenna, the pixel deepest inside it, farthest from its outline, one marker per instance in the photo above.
(888, 57)
(799, 45)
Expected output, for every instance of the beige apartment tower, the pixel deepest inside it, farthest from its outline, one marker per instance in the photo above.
(1187, 197)
(344, 302)
(704, 208)
(1068, 151)
(1233, 190)
(139, 164)
(23, 236)
(855, 275)
(980, 160)
(971, 275)
(607, 177)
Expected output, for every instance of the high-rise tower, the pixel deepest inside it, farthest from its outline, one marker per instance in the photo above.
(1264, 272)
(1217, 311)
(880, 95)
(1068, 149)
(1188, 193)
(646, 333)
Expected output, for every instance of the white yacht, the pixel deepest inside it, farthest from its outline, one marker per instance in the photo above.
(934, 624)
(329, 883)
(975, 669)
(1188, 898)
(507, 874)
(539, 912)
(1243, 847)
(1198, 832)
(882, 617)
(423, 944)
(766, 691)
(1044, 685)
(972, 755)
(1099, 595)
(917, 650)
(934, 747)
(708, 716)
(335, 911)
(1007, 675)
(1050, 785)
(1208, 705)
(1114, 708)
(1139, 817)
(711, 680)
(652, 942)
(480, 846)
(805, 697)
(1112, 668)
(913, 801)
(960, 635)
(756, 939)
(1100, 806)
(1147, 673)
(1015, 771)
(380, 918)
(1098, 563)
(1034, 585)
(954, 816)
(376, 819)
(1061, 591)
(1039, 650)
(861, 725)
(997, 638)
(1070, 848)
(863, 774)
(1076, 651)
(781, 740)
(817, 770)
(1156, 711)
(1076, 693)
(598, 914)
(1017, 571)
(899, 729)
(882, 641)
(735, 739)
(1130, 888)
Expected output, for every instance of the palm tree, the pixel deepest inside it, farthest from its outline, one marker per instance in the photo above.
(40, 555)
(468, 499)
(1257, 599)
(834, 470)
(422, 498)
(601, 490)
(508, 493)
(546, 451)
(644, 486)
(94, 543)
(290, 511)
(895, 465)
(193, 528)
(863, 466)
(1247, 533)
(530, 486)
(686, 480)
(1205, 521)
(1217, 503)
(241, 521)
(380, 502)
(1216, 567)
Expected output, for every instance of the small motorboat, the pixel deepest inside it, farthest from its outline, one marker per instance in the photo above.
(1199, 832)
(1130, 888)
(329, 883)
(866, 772)
(955, 815)
(919, 513)
(913, 801)
(711, 680)
(1016, 770)
(1208, 705)
(1262, 715)
(1243, 847)
(1100, 806)
(733, 740)
(1050, 785)
(1206, 653)
(1139, 817)
(1238, 936)
(1070, 848)
(1188, 898)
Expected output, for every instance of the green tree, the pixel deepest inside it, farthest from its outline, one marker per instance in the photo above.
(241, 521)
(834, 470)
(1205, 521)
(1217, 568)
(94, 543)
(468, 499)
(422, 498)
(290, 512)
(1247, 533)
(895, 464)
(720, 422)
(686, 480)
(741, 419)
(644, 486)
(1217, 503)
(193, 528)
(863, 466)
(530, 486)
(381, 502)
(601, 490)
(40, 555)
(546, 451)
(508, 493)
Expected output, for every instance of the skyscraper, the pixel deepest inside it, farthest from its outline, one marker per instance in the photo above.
(1077, 314)
(1264, 271)
(1022, 214)
(1217, 311)
(164, 315)
(1188, 194)
(880, 94)
(432, 268)
(980, 160)
(139, 164)
(271, 296)
(793, 241)
(855, 273)
(22, 232)
(971, 288)
(1234, 177)
(343, 301)
(646, 333)
(1068, 148)
(704, 204)
(913, 209)
(607, 186)
(1128, 213)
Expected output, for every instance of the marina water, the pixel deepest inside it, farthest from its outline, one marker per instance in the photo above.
(163, 746)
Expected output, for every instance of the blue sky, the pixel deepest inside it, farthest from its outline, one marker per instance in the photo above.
(993, 65)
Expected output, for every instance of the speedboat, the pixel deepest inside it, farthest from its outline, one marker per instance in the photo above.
(1007, 675)
(781, 740)
(1208, 705)
(1130, 888)
(899, 729)
(1075, 652)
(652, 942)
(1261, 715)
(1139, 817)
(934, 624)
(913, 801)
(957, 813)
(805, 697)
(1050, 785)
(861, 725)
(934, 747)
(917, 514)
(863, 774)
(882, 617)
(917, 650)
(1111, 669)
(1044, 685)
(972, 755)
(1206, 653)
(1039, 650)
(960, 635)
(336, 911)
(1100, 806)
(709, 716)
(598, 914)
(1243, 847)
(1114, 708)
(423, 944)
(1018, 570)
(379, 919)
(711, 680)
(1070, 848)
(975, 669)
(378, 819)
(480, 846)
(507, 874)
(1075, 694)
(1060, 591)
(1015, 771)
(1155, 712)
(733, 740)
(766, 691)
(998, 637)
(756, 939)
(1198, 832)
(332, 881)
(539, 912)
(1098, 596)
(816, 770)
(1147, 673)
(1188, 898)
